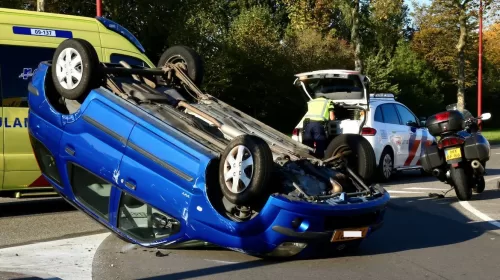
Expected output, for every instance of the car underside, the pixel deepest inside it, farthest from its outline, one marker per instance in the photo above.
(253, 168)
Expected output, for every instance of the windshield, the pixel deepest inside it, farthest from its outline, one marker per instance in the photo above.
(336, 88)
(454, 106)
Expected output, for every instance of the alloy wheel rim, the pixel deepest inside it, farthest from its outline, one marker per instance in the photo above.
(238, 169)
(69, 68)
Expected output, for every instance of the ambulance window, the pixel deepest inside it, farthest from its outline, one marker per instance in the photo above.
(116, 58)
(17, 64)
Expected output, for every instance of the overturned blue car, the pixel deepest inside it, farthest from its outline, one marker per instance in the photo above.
(160, 163)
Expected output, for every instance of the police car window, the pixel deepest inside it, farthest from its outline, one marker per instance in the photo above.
(116, 58)
(336, 87)
(17, 64)
(390, 114)
(406, 115)
(378, 115)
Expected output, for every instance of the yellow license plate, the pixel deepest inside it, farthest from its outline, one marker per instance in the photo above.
(349, 234)
(452, 154)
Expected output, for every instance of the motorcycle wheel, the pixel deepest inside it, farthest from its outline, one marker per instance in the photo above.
(462, 182)
(480, 185)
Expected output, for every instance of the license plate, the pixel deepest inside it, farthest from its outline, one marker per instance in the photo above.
(452, 154)
(349, 234)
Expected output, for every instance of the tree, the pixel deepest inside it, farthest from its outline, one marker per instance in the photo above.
(444, 39)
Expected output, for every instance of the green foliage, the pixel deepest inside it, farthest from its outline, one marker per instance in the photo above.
(420, 87)
(253, 48)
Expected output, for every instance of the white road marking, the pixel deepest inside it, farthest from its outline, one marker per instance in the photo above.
(492, 179)
(391, 191)
(66, 258)
(479, 214)
(224, 262)
(423, 189)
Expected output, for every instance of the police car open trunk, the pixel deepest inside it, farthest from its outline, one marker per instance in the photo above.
(349, 91)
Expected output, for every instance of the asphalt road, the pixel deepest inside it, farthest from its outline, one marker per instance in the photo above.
(423, 238)
(25, 221)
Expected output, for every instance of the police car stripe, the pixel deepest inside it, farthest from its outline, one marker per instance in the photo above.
(19, 30)
(39, 182)
(413, 145)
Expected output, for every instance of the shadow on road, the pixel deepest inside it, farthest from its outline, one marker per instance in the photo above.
(33, 207)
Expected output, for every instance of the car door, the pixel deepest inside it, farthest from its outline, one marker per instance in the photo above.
(92, 147)
(417, 136)
(157, 177)
(395, 132)
(17, 64)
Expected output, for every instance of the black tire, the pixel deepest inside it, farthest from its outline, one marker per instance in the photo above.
(90, 69)
(480, 185)
(258, 186)
(362, 159)
(462, 183)
(188, 57)
(387, 158)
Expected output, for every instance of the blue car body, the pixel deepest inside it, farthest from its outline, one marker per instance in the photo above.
(129, 157)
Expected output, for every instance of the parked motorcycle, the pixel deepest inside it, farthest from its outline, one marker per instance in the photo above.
(460, 155)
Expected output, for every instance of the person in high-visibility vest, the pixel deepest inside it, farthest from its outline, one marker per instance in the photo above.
(320, 110)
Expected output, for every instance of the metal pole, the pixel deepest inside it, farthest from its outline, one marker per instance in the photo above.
(99, 7)
(480, 71)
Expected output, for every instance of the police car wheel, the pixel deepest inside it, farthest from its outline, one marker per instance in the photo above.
(386, 165)
(75, 69)
(245, 170)
(187, 58)
(362, 157)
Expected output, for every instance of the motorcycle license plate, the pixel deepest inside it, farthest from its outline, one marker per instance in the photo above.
(454, 153)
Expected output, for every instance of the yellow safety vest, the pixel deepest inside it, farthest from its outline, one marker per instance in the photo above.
(319, 109)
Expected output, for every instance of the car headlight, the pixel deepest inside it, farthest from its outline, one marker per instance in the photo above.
(287, 249)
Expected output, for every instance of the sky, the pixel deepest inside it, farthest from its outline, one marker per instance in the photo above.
(419, 1)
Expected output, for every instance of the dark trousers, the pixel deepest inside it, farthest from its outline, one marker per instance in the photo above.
(315, 132)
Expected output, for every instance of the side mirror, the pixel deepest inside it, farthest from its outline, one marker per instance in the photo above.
(485, 116)
(412, 124)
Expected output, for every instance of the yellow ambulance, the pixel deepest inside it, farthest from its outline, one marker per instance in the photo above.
(26, 39)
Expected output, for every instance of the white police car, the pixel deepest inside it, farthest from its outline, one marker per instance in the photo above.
(396, 135)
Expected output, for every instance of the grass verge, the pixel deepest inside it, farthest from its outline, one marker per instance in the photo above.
(493, 135)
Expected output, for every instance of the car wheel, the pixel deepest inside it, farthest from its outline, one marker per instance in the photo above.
(361, 160)
(386, 166)
(245, 170)
(188, 58)
(75, 69)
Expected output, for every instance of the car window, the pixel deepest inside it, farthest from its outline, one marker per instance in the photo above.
(116, 58)
(143, 221)
(390, 114)
(406, 115)
(45, 159)
(91, 190)
(17, 64)
(378, 115)
(350, 87)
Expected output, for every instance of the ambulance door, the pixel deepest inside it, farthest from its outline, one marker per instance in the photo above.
(1, 128)
(17, 65)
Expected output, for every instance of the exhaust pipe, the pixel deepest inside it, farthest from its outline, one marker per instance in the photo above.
(436, 172)
(478, 167)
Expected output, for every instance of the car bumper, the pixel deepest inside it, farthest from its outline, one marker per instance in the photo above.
(291, 228)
